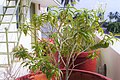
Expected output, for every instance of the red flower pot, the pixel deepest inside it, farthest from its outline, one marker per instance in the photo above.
(86, 63)
(76, 75)
(34, 76)
(84, 75)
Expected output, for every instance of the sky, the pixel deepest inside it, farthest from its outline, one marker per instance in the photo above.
(111, 5)
(108, 5)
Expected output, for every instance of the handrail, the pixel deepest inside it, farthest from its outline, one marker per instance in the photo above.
(24, 21)
(6, 31)
(10, 25)
(57, 2)
(14, 13)
(10, 60)
(5, 9)
(29, 3)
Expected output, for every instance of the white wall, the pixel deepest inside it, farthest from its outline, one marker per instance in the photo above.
(45, 3)
(112, 59)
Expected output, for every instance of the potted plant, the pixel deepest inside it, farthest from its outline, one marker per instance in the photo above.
(70, 32)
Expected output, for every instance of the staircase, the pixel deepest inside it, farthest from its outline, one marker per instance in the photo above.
(13, 16)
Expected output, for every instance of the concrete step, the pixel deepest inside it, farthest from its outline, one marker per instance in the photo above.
(8, 42)
(9, 32)
(11, 0)
(5, 53)
(6, 14)
(9, 6)
(4, 65)
(14, 6)
(8, 22)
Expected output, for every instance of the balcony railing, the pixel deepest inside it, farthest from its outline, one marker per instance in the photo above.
(58, 2)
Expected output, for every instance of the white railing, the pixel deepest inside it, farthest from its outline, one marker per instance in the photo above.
(7, 41)
(57, 2)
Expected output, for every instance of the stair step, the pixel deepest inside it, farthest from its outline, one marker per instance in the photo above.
(9, 32)
(8, 42)
(4, 53)
(11, 0)
(4, 65)
(9, 6)
(7, 22)
(10, 14)
(6, 14)
(14, 6)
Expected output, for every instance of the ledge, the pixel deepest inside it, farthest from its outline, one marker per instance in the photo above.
(115, 46)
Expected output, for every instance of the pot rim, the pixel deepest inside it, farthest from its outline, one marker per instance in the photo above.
(88, 72)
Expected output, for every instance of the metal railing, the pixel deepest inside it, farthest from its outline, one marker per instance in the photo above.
(4, 11)
(23, 18)
(57, 2)
(18, 32)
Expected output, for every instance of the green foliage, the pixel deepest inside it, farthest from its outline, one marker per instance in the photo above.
(103, 43)
(114, 27)
(39, 58)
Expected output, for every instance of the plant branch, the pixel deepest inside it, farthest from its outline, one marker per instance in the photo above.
(75, 56)
(75, 66)
(72, 52)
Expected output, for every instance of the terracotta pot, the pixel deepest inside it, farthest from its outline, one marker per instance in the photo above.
(76, 75)
(86, 63)
(38, 77)
(34, 76)
(84, 75)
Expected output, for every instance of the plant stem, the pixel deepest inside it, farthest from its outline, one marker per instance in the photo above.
(67, 71)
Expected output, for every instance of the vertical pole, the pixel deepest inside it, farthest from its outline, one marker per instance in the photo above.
(17, 14)
(12, 57)
(0, 19)
(21, 18)
(7, 46)
(23, 15)
(6, 2)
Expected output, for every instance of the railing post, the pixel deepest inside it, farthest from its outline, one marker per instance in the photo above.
(0, 18)
(23, 17)
(6, 2)
(7, 45)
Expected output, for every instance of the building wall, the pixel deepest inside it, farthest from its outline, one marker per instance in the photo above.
(111, 57)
